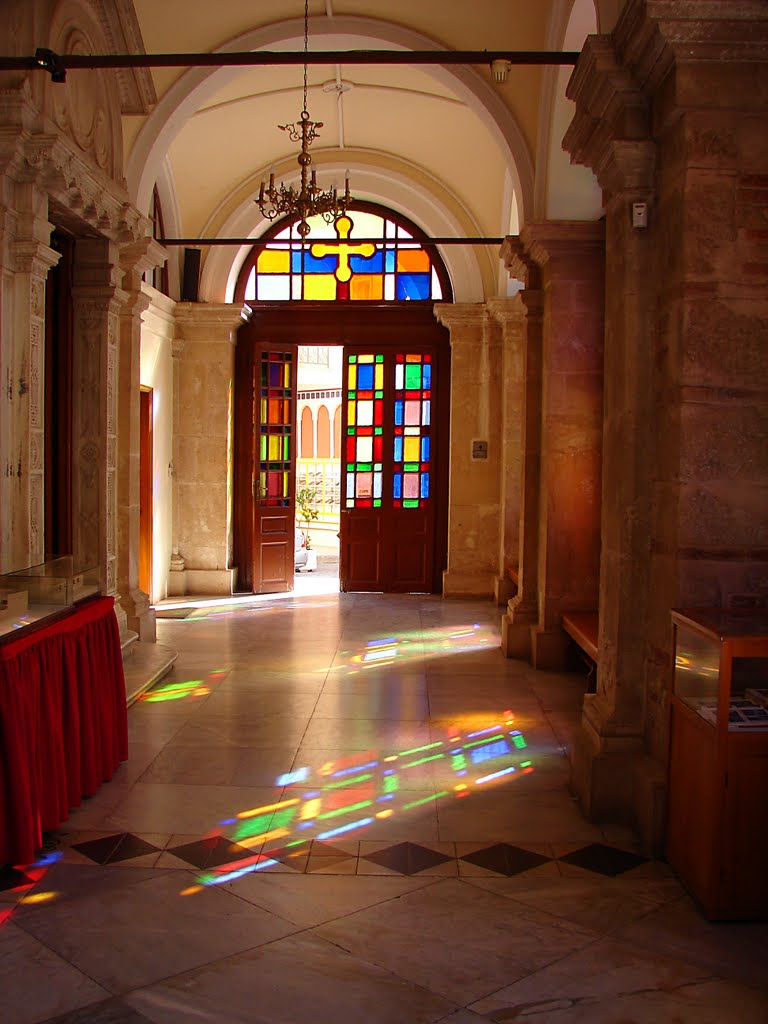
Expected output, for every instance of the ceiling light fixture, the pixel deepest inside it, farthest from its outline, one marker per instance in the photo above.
(310, 200)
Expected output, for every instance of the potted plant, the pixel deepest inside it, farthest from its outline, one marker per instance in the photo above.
(307, 513)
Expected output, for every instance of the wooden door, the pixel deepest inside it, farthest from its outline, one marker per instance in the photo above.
(394, 540)
(388, 507)
(264, 500)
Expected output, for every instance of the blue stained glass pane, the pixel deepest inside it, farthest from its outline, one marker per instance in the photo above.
(413, 286)
(425, 485)
(397, 485)
(275, 375)
(365, 377)
(296, 262)
(425, 449)
(370, 265)
(427, 378)
(425, 412)
(398, 449)
(399, 413)
(390, 261)
(321, 265)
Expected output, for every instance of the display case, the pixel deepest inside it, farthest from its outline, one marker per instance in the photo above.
(717, 834)
(31, 595)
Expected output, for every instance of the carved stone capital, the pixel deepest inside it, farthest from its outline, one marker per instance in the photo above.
(463, 319)
(554, 243)
(137, 258)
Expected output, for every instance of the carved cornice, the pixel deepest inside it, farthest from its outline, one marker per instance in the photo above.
(554, 241)
(518, 262)
(460, 314)
(210, 321)
(121, 27)
(139, 257)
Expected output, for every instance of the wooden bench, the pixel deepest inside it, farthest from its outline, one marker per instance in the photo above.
(582, 628)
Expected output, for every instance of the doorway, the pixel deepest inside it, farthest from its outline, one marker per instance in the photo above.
(393, 499)
(146, 496)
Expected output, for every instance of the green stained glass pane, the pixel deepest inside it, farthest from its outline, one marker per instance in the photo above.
(380, 359)
(351, 431)
(378, 467)
(413, 376)
(378, 394)
(410, 503)
(286, 448)
(263, 448)
(353, 359)
(411, 467)
(376, 430)
(350, 394)
(364, 467)
(377, 502)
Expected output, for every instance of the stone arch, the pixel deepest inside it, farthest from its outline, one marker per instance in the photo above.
(197, 84)
(564, 191)
(86, 107)
(323, 433)
(307, 433)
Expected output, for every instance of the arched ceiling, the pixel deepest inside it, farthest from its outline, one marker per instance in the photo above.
(213, 134)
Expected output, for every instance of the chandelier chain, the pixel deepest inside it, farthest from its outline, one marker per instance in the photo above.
(310, 200)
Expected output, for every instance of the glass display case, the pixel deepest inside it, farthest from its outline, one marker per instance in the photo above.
(717, 828)
(30, 595)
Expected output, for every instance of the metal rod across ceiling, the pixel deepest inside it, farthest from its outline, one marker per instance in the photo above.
(58, 64)
(453, 240)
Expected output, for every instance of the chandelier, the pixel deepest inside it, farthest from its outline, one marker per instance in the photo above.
(311, 200)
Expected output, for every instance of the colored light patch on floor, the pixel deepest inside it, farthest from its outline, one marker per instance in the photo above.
(408, 646)
(345, 796)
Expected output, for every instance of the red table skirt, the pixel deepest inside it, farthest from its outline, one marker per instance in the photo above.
(63, 723)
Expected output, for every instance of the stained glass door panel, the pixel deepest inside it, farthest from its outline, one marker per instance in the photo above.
(387, 520)
(274, 420)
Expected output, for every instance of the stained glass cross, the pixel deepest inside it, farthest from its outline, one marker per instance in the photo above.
(343, 249)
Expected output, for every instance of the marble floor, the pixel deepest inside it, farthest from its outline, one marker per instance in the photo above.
(352, 808)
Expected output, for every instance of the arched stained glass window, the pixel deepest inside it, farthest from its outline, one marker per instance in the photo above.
(366, 255)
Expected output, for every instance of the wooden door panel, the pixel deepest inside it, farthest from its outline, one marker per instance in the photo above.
(361, 549)
(411, 551)
(275, 553)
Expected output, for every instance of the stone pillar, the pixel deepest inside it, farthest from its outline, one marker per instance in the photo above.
(509, 315)
(202, 447)
(522, 614)
(96, 303)
(135, 260)
(24, 384)
(671, 113)
(571, 258)
(474, 474)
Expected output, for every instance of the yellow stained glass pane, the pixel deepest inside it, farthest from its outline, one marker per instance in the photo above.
(320, 286)
(411, 449)
(274, 449)
(264, 410)
(351, 412)
(412, 261)
(285, 485)
(274, 261)
(379, 377)
(287, 375)
(368, 358)
(352, 376)
(366, 286)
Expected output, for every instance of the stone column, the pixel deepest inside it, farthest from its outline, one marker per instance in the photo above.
(571, 258)
(135, 260)
(509, 315)
(671, 113)
(202, 447)
(24, 384)
(474, 474)
(96, 304)
(522, 614)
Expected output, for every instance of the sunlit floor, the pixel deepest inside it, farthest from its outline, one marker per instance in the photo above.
(350, 808)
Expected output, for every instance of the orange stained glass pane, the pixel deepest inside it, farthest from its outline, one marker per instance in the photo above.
(320, 286)
(274, 261)
(411, 449)
(276, 410)
(366, 286)
(412, 261)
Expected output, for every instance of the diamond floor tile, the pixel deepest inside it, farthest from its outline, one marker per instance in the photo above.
(407, 858)
(605, 860)
(505, 859)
